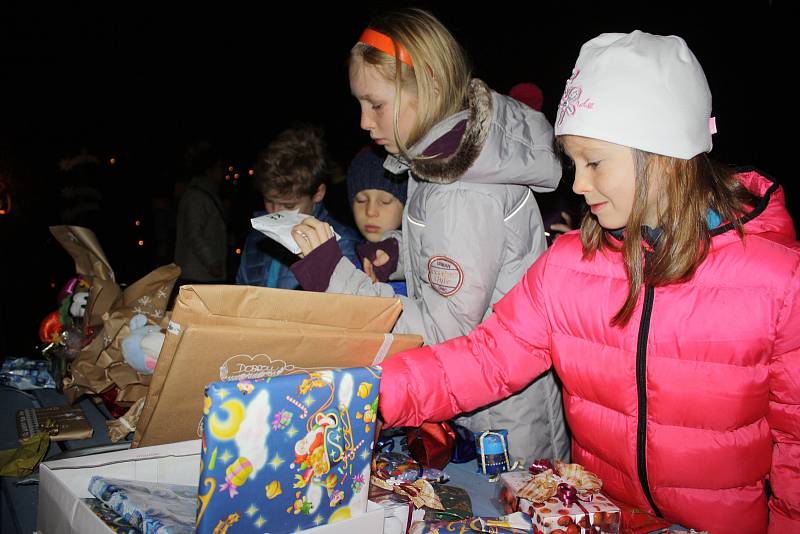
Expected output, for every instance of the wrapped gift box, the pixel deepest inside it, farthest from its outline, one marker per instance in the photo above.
(67, 507)
(148, 506)
(290, 452)
(399, 512)
(593, 513)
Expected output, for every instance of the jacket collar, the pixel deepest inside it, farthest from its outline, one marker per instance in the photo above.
(451, 147)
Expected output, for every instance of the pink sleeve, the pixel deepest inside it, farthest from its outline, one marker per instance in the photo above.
(500, 357)
(784, 416)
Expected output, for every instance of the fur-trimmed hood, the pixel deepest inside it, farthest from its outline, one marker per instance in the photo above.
(495, 140)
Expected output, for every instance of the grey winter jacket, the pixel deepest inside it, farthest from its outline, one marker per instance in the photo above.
(471, 228)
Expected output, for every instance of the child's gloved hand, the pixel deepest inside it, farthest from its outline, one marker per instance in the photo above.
(310, 234)
(379, 259)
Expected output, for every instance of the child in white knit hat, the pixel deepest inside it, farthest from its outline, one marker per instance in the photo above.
(672, 317)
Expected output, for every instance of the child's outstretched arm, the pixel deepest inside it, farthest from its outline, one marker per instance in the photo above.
(784, 416)
(500, 357)
(324, 268)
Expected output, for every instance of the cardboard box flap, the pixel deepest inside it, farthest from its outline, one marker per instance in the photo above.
(369, 314)
(208, 353)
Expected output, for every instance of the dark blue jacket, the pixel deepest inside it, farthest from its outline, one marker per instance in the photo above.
(266, 262)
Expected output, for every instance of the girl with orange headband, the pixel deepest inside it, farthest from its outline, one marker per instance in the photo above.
(471, 226)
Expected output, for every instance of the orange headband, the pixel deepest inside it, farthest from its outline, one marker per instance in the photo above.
(385, 44)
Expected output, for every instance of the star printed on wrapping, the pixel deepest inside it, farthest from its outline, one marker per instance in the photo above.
(222, 394)
(251, 511)
(291, 431)
(226, 457)
(308, 401)
(259, 522)
(365, 454)
(276, 462)
(318, 520)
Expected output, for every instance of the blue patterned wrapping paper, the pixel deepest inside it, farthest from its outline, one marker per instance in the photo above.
(150, 507)
(112, 519)
(287, 453)
(516, 523)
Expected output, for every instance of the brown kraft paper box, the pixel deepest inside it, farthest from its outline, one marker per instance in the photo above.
(243, 332)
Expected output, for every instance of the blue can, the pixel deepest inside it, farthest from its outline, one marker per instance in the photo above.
(492, 448)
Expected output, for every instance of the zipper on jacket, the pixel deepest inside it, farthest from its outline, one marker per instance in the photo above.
(641, 391)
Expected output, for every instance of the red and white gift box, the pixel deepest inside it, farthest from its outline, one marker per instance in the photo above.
(589, 513)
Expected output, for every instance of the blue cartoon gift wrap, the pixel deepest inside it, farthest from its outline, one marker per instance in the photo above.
(287, 453)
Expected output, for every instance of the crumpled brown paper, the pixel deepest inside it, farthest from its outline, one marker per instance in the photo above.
(100, 365)
(119, 428)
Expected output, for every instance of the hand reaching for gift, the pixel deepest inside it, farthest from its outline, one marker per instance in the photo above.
(310, 234)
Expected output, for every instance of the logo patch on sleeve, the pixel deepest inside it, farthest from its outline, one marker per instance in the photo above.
(445, 275)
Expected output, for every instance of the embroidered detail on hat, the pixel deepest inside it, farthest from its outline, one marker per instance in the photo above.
(571, 100)
(445, 275)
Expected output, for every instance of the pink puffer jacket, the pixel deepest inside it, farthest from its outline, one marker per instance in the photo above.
(690, 410)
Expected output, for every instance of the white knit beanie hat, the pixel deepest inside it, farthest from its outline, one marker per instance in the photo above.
(639, 90)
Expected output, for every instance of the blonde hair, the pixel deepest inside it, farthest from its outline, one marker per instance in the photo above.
(689, 189)
(441, 74)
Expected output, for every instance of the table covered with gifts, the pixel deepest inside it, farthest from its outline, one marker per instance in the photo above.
(243, 409)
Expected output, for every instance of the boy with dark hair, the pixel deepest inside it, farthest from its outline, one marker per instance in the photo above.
(289, 175)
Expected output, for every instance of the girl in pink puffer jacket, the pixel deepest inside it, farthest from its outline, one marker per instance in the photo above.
(672, 318)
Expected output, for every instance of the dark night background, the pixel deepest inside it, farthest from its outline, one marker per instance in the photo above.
(137, 83)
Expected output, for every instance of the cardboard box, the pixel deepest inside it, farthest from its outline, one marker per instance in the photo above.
(594, 514)
(242, 332)
(63, 483)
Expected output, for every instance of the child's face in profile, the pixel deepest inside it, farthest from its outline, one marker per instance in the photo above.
(606, 177)
(375, 212)
(375, 94)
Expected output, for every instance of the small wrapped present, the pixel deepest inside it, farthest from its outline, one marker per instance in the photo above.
(150, 507)
(455, 501)
(115, 522)
(398, 510)
(516, 523)
(560, 498)
(287, 453)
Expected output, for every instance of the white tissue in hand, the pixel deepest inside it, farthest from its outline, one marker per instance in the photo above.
(278, 226)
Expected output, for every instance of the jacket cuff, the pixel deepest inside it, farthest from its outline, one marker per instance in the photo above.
(369, 250)
(315, 270)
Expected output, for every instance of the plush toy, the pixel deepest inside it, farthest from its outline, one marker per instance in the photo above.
(72, 300)
(51, 328)
(140, 349)
(78, 306)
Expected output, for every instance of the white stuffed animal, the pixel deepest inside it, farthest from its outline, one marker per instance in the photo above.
(141, 348)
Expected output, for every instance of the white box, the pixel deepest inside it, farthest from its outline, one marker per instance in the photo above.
(63, 483)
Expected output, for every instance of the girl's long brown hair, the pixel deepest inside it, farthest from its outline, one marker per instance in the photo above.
(688, 189)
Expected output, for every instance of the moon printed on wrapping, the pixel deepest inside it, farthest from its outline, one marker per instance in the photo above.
(252, 435)
(346, 387)
(225, 429)
(341, 514)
